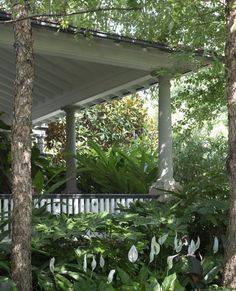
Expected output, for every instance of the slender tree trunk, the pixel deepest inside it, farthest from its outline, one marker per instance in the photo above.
(21, 151)
(229, 276)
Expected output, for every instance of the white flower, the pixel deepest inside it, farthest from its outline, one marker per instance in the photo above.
(155, 249)
(155, 246)
(151, 256)
(178, 244)
(179, 247)
(133, 254)
(74, 238)
(51, 264)
(110, 276)
(94, 264)
(85, 263)
(191, 248)
(162, 239)
(101, 261)
(215, 245)
(197, 243)
(176, 241)
(170, 261)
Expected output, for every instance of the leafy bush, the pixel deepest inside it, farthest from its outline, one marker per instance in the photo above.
(79, 252)
(199, 166)
(116, 171)
(115, 122)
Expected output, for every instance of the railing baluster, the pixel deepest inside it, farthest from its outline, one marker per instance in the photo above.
(56, 206)
(70, 206)
(87, 205)
(64, 205)
(76, 206)
(48, 207)
(107, 205)
(82, 205)
(6, 211)
(112, 204)
(94, 204)
(101, 205)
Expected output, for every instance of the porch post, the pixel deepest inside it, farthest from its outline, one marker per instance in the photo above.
(165, 159)
(71, 174)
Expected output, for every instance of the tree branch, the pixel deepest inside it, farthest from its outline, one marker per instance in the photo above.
(50, 15)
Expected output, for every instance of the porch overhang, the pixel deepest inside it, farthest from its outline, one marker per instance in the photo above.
(84, 68)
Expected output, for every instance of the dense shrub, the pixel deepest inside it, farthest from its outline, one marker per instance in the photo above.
(116, 171)
(65, 248)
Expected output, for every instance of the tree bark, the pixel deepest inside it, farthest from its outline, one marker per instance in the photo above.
(229, 276)
(21, 151)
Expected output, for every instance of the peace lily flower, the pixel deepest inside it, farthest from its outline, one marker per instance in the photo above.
(51, 265)
(197, 243)
(85, 263)
(110, 276)
(177, 244)
(162, 239)
(155, 249)
(215, 245)
(101, 261)
(191, 248)
(94, 264)
(170, 261)
(133, 254)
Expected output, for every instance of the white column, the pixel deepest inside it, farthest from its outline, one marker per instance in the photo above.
(165, 159)
(165, 179)
(71, 174)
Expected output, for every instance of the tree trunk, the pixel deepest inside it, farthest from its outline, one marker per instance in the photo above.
(229, 276)
(21, 151)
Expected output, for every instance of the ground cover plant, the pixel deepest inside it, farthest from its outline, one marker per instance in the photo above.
(141, 248)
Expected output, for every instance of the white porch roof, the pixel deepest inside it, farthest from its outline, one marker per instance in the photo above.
(83, 70)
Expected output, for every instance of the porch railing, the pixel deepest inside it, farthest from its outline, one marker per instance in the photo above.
(75, 203)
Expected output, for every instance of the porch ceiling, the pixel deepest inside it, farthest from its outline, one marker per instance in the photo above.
(83, 71)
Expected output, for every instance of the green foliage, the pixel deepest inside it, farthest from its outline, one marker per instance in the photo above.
(115, 122)
(45, 175)
(200, 97)
(199, 166)
(69, 238)
(116, 171)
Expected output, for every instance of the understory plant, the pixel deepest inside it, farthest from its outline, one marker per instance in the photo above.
(146, 247)
(132, 170)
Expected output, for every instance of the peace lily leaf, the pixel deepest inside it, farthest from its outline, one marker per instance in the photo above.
(110, 276)
(133, 254)
(94, 264)
(170, 261)
(85, 263)
(51, 265)
(171, 283)
(162, 239)
(191, 248)
(101, 261)
(215, 245)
